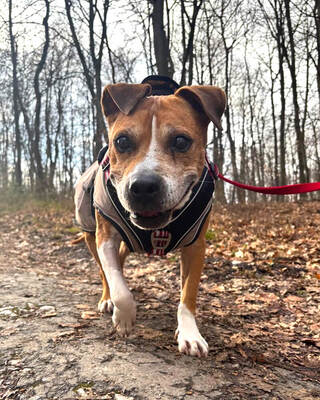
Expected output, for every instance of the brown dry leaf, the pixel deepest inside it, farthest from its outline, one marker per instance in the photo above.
(242, 352)
(258, 358)
(151, 333)
(62, 335)
(266, 387)
(221, 357)
(8, 332)
(315, 327)
(89, 315)
(237, 339)
(83, 306)
(74, 326)
(291, 299)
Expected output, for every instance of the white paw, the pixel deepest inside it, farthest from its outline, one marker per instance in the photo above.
(192, 344)
(190, 341)
(105, 306)
(124, 319)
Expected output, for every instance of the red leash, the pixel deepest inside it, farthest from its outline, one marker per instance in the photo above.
(279, 190)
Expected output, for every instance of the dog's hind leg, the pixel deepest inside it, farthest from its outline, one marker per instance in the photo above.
(79, 239)
(105, 303)
(123, 252)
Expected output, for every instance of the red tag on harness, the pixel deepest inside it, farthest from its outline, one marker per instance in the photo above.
(160, 240)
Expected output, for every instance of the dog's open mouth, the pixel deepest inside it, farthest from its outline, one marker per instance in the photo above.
(151, 219)
(156, 219)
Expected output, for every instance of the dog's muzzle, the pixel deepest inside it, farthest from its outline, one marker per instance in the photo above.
(145, 194)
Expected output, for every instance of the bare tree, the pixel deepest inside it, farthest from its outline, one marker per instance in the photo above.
(55, 125)
(290, 55)
(316, 16)
(15, 95)
(92, 16)
(40, 177)
(161, 39)
(276, 24)
(32, 119)
(188, 39)
(4, 147)
(227, 18)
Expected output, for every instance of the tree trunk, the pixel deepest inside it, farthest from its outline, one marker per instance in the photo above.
(160, 40)
(281, 59)
(239, 193)
(16, 109)
(218, 158)
(93, 74)
(4, 151)
(188, 42)
(40, 177)
(300, 136)
(316, 15)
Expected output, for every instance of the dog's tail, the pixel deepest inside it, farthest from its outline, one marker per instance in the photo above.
(78, 239)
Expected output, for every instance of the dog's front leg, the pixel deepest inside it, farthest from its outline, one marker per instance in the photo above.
(189, 338)
(108, 243)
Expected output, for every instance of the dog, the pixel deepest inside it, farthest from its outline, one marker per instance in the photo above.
(152, 192)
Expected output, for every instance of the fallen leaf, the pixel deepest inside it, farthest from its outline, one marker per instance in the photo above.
(74, 326)
(221, 357)
(62, 335)
(89, 315)
(82, 306)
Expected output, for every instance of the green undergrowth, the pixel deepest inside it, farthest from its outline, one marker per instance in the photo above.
(13, 201)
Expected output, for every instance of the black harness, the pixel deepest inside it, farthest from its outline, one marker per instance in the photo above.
(160, 241)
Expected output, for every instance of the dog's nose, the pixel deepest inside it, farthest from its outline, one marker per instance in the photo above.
(145, 187)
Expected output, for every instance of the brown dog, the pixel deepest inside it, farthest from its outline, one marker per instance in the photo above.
(149, 181)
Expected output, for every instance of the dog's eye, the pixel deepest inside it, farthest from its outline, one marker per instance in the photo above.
(181, 144)
(124, 144)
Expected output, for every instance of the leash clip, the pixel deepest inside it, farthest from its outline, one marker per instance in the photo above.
(213, 169)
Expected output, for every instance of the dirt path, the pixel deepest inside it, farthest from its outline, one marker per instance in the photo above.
(262, 325)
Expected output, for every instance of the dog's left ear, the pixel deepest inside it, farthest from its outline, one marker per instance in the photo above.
(210, 100)
(122, 97)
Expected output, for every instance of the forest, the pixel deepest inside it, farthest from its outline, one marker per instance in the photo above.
(259, 298)
(57, 55)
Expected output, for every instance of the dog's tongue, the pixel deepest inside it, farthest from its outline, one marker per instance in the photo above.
(148, 213)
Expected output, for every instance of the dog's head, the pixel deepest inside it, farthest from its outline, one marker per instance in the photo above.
(157, 146)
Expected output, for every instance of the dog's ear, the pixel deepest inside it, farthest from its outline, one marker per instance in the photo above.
(122, 97)
(209, 100)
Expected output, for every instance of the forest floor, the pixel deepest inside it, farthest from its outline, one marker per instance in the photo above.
(259, 310)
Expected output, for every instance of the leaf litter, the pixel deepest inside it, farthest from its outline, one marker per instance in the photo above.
(258, 302)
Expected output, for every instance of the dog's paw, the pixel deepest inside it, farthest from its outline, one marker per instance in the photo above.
(105, 306)
(124, 319)
(192, 343)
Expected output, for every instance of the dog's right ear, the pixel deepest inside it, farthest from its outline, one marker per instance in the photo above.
(122, 97)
